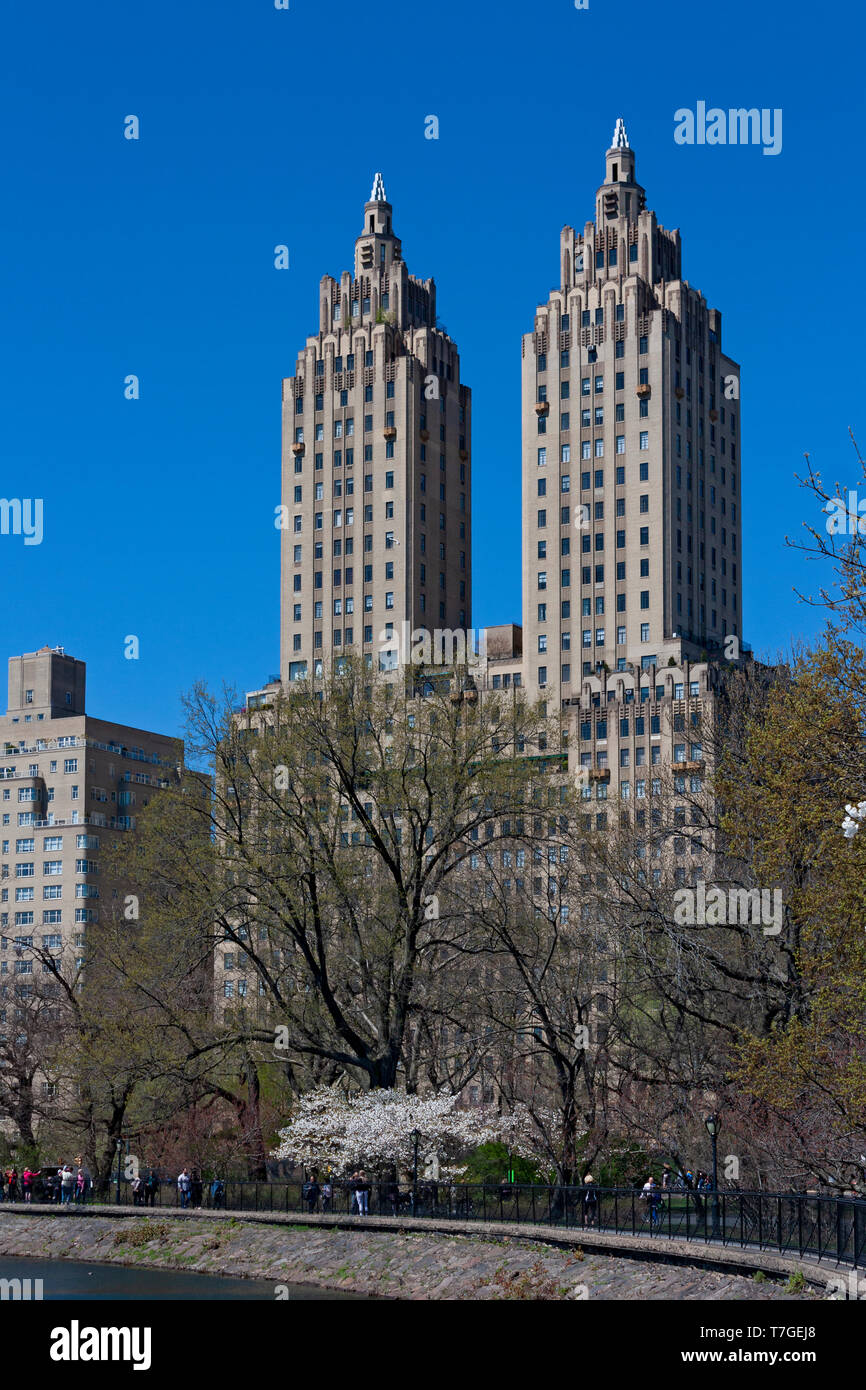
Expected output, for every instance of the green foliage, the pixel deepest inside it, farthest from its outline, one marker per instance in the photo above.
(489, 1162)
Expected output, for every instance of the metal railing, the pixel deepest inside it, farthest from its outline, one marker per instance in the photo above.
(821, 1227)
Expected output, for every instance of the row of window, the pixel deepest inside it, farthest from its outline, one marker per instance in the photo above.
(82, 915)
(69, 765)
(590, 448)
(34, 794)
(587, 639)
(50, 842)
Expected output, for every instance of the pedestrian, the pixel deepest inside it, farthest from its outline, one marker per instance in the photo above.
(196, 1190)
(651, 1194)
(12, 1179)
(152, 1188)
(590, 1200)
(80, 1185)
(218, 1194)
(138, 1190)
(327, 1194)
(310, 1193)
(696, 1182)
(352, 1189)
(667, 1177)
(184, 1187)
(363, 1194)
(67, 1184)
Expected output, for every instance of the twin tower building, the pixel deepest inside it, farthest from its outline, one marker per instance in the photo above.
(630, 470)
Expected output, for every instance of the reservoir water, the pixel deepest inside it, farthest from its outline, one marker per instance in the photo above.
(66, 1279)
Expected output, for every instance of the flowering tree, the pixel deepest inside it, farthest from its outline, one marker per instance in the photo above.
(378, 1128)
(853, 818)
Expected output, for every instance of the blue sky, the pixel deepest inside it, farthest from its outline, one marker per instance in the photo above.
(261, 126)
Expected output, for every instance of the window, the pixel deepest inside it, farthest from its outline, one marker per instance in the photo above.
(644, 439)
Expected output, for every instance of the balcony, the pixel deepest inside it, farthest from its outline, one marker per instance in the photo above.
(598, 774)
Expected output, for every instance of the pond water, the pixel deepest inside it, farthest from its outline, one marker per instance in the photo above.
(66, 1279)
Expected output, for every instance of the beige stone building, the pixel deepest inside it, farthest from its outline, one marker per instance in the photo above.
(376, 480)
(631, 454)
(68, 782)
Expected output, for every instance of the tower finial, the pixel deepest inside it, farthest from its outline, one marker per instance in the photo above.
(620, 138)
(378, 194)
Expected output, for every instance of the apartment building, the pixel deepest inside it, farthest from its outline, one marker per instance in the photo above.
(376, 477)
(68, 782)
(631, 454)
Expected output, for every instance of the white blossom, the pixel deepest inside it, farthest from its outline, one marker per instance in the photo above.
(373, 1128)
(853, 818)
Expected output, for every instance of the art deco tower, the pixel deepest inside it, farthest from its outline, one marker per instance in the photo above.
(376, 479)
(631, 458)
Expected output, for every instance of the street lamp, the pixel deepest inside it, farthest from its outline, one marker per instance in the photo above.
(119, 1151)
(712, 1126)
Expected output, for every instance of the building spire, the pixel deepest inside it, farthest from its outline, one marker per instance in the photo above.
(378, 194)
(620, 138)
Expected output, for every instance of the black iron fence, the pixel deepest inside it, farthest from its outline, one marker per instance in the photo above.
(822, 1227)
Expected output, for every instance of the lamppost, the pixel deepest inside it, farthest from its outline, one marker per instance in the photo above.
(712, 1125)
(415, 1137)
(119, 1151)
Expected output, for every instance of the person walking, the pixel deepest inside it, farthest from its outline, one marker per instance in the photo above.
(310, 1192)
(27, 1183)
(651, 1194)
(590, 1201)
(196, 1191)
(12, 1179)
(696, 1182)
(218, 1194)
(327, 1194)
(363, 1194)
(138, 1191)
(67, 1184)
(184, 1187)
(152, 1188)
(80, 1186)
(667, 1177)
